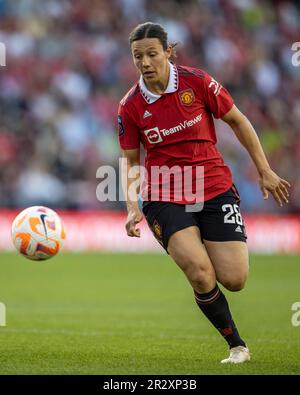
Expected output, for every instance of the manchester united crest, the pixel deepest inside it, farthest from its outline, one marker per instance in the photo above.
(187, 97)
(157, 229)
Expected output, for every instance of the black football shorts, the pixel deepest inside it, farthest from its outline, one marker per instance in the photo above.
(219, 220)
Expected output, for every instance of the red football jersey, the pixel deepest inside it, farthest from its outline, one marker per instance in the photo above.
(178, 134)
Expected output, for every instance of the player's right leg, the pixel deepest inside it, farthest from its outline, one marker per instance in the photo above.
(177, 232)
(187, 250)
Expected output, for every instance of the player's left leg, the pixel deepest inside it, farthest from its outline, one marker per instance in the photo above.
(231, 262)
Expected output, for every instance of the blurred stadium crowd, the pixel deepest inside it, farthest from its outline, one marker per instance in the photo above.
(68, 64)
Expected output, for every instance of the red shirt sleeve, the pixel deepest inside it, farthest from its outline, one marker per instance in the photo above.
(129, 137)
(217, 98)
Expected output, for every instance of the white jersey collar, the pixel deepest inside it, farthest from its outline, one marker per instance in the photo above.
(172, 86)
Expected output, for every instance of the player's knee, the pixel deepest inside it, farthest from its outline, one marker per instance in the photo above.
(235, 284)
(195, 277)
(202, 277)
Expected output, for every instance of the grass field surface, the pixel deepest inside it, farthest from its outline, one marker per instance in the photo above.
(135, 314)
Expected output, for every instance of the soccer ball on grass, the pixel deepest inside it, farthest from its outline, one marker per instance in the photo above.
(38, 233)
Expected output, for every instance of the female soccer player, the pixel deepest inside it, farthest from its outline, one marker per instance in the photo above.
(190, 202)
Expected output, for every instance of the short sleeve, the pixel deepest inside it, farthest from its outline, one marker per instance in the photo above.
(129, 137)
(218, 99)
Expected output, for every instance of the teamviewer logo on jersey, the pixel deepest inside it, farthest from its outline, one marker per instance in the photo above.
(153, 135)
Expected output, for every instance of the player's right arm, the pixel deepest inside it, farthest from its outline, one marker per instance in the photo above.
(129, 139)
(131, 186)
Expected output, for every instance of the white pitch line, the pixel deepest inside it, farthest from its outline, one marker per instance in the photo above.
(121, 333)
(68, 332)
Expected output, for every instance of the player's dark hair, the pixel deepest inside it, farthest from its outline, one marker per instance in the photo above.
(152, 30)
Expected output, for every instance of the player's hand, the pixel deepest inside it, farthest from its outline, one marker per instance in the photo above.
(271, 182)
(134, 217)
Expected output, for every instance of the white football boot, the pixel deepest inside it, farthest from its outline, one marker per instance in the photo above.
(238, 354)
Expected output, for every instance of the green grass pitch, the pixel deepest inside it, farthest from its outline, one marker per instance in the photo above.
(135, 314)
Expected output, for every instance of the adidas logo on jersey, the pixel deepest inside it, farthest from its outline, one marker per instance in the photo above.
(238, 229)
(147, 114)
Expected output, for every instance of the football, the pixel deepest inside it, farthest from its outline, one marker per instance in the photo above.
(38, 233)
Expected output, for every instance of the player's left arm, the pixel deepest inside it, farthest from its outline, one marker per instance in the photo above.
(269, 181)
